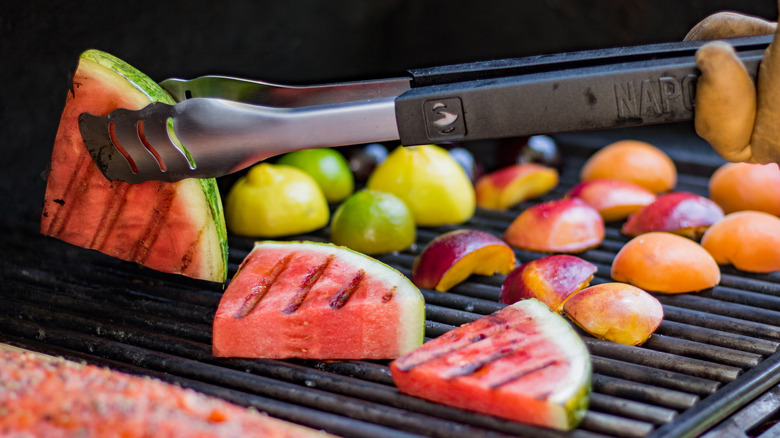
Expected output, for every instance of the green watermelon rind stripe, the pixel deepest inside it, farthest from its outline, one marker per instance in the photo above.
(154, 92)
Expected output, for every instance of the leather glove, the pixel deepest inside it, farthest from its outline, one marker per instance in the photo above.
(739, 120)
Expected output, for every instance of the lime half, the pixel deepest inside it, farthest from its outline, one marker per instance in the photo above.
(373, 222)
(328, 167)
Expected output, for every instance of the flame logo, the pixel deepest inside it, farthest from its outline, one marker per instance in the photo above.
(447, 119)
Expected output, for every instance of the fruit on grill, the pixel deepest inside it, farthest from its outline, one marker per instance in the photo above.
(317, 301)
(452, 257)
(328, 167)
(664, 262)
(614, 199)
(467, 161)
(523, 363)
(430, 181)
(540, 149)
(551, 280)
(616, 312)
(560, 226)
(748, 240)
(510, 185)
(746, 186)
(273, 200)
(44, 396)
(363, 159)
(373, 222)
(634, 161)
(682, 213)
(170, 227)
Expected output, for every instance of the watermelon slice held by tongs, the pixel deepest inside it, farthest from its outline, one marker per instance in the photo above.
(221, 125)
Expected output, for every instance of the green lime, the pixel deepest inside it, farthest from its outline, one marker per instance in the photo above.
(274, 200)
(373, 222)
(328, 167)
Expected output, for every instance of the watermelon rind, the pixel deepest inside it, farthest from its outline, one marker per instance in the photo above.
(101, 83)
(575, 400)
(236, 334)
(156, 93)
(522, 363)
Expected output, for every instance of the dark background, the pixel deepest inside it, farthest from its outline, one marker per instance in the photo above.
(289, 42)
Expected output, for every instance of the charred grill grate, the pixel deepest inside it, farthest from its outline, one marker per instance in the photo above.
(714, 352)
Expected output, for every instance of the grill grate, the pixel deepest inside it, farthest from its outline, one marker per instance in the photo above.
(714, 351)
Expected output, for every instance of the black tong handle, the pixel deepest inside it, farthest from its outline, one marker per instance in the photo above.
(576, 91)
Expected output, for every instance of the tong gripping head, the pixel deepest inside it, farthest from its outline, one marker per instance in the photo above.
(136, 146)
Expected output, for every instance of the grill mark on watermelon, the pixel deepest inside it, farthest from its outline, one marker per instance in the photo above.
(166, 193)
(62, 214)
(466, 369)
(451, 341)
(513, 377)
(341, 297)
(110, 215)
(188, 256)
(266, 281)
(308, 282)
(389, 295)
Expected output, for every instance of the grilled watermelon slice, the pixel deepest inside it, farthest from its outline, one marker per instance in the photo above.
(317, 301)
(523, 363)
(43, 396)
(170, 227)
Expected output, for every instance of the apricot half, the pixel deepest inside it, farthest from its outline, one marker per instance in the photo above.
(452, 257)
(683, 213)
(616, 312)
(510, 185)
(749, 240)
(747, 186)
(614, 199)
(664, 262)
(561, 226)
(634, 161)
(549, 279)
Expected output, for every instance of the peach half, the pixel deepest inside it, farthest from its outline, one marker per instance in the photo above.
(747, 186)
(664, 262)
(748, 240)
(683, 213)
(452, 257)
(614, 199)
(634, 161)
(508, 186)
(616, 312)
(550, 279)
(561, 226)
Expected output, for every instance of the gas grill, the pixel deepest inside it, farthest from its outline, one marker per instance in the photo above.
(712, 367)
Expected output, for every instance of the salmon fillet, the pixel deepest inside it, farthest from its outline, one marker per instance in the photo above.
(42, 396)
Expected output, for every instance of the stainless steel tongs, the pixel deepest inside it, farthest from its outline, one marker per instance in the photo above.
(221, 125)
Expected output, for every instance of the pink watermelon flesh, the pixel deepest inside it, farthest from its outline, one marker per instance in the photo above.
(522, 363)
(170, 227)
(317, 301)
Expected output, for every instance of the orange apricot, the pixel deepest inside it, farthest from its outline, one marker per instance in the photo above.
(616, 312)
(664, 262)
(746, 186)
(634, 161)
(748, 240)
